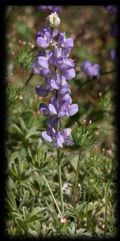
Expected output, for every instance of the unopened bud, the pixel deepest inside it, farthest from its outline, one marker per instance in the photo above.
(53, 20)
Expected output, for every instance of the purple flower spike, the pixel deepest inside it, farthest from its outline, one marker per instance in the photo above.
(53, 63)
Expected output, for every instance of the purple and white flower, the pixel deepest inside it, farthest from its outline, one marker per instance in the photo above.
(54, 64)
(90, 69)
(51, 8)
(112, 8)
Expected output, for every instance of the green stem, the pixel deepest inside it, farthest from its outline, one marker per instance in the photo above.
(29, 78)
(76, 180)
(60, 179)
(77, 171)
(51, 194)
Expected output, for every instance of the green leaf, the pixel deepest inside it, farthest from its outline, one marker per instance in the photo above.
(25, 56)
(13, 91)
(11, 201)
(39, 160)
(14, 155)
(83, 135)
(22, 124)
(18, 129)
(32, 132)
(35, 214)
(21, 224)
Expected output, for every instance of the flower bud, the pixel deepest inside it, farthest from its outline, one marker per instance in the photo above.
(53, 20)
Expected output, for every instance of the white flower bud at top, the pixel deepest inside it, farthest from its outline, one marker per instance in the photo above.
(53, 20)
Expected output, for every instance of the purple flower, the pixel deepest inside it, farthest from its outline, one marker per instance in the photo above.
(44, 109)
(69, 74)
(54, 64)
(51, 135)
(68, 110)
(112, 8)
(50, 8)
(57, 137)
(42, 90)
(114, 55)
(41, 67)
(56, 9)
(44, 37)
(90, 69)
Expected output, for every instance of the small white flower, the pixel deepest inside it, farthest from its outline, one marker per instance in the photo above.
(53, 20)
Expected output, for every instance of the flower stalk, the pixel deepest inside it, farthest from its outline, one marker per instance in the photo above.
(52, 194)
(75, 191)
(77, 170)
(60, 180)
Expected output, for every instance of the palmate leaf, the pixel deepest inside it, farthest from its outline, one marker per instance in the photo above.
(39, 159)
(105, 102)
(19, 170)
(16, 129)
(12, 92)
(32, 132)
(21, 225)
(36, 214)
(84, 135)
(11, 203)
(25, 56)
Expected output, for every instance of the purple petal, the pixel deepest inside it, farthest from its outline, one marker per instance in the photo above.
(43, 62)
(41, 42)
(68, 43)
(61, 113)
(46, 136)
(52, 121)
(36, 68)
(44, 109)
(52, 109)
(67, 64)
(41, 90)
(60, 140)
(67, 98)
(73, 109)
(113, 54)
(42, 7)
(69, 74)
(64, 89)
(86, 64)
(54, 84)
(66, 132)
